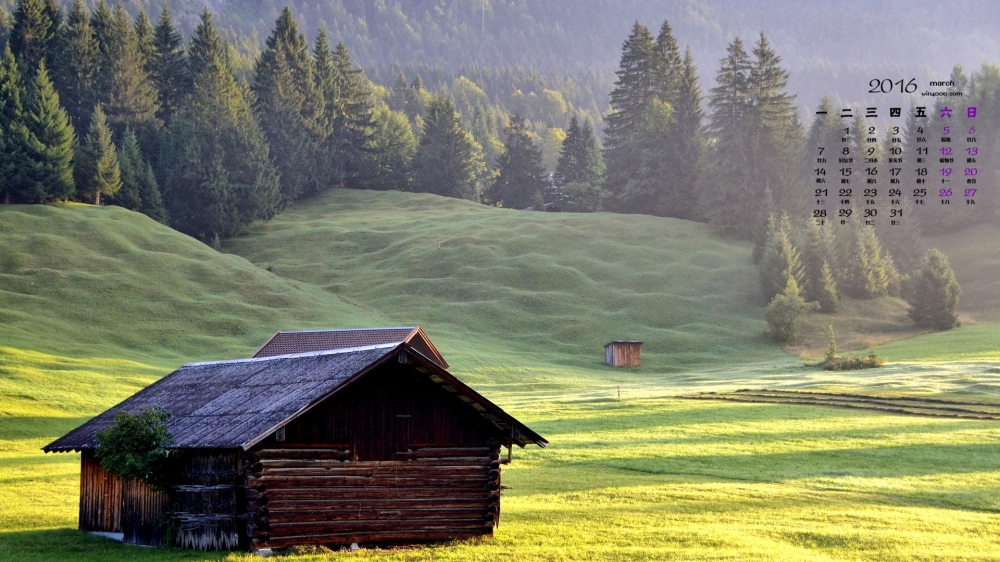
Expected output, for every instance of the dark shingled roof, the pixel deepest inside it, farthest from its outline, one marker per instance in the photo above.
(284, 343)
(234, 404)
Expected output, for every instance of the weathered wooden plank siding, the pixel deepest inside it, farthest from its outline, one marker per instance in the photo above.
(100, 496)
(143, 514)
(429, 494)
(208, 499)
(389, 411)
(622, 354)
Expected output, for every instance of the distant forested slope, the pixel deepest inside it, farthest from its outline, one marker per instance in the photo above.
(829, 47)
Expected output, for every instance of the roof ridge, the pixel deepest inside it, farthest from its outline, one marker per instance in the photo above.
(345, 329)
(302, 354)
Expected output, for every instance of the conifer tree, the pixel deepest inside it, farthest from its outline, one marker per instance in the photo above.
(580, 171)
(286, 105)
(168, 66)
(634, 87)
(50, 149)
(353, 117)
(220, 176)
(144, 36)
(668, 65)
(139, 191)
(757, 140)
(75, 67)
(129, 163)
(651, 187)
(865, 276)
(934, 294)
(33, 37)
(328, 166)
(687, 142)
(826, 290)
(573, 157)
(818, 251)
(97, 171)
(520, 175)
(781, 259)
(446, 161)
(130, 99)
(14, 135)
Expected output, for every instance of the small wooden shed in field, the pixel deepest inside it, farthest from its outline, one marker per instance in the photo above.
(370, 444)
(623, 353)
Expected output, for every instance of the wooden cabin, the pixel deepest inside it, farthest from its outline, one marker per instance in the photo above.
(371, 445)
(623, 353)
(284, 343)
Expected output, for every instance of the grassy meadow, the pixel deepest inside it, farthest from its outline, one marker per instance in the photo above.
(95, 303)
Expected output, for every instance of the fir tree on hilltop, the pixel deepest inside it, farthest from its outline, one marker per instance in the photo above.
(520, 175)
(50, 147)
(97, 171)
(287, 103)
(446, 161)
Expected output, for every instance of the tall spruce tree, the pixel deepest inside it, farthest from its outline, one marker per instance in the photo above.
(652, 185)
(144, 39)
(446, 161)
(573, 155)
(934, 294)
(634, 88)
(220, 176)
(168, 66)
(520, 175)
(286, 104)
(131, 99)
(757, 141)
(75, 67)
(14, 135)
(97, 171)
(668, 65)
(328, 166)
(50, 149)
(580, 170)
(33, 37)
(687, 142)
(353, 116)
(781, 259)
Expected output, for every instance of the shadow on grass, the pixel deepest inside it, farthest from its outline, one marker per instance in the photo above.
(70, 545)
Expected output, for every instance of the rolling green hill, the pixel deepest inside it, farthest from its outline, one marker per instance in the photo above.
(500, 282)
(81, 281)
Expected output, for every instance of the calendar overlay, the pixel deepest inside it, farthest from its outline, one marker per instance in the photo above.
(867, 177)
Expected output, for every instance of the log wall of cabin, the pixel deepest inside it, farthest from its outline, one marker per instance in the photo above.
(319, 495)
